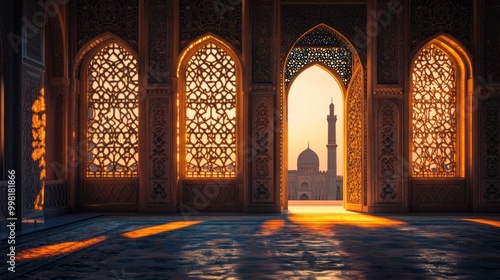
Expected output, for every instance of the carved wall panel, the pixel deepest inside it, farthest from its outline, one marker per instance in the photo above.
(220, 17)
(56, 48)
(159, 46)
(104, 193)
(56, 195)
(59, 137)
(389, 177)
(489, 191)
(159, 152)
(3, 11)
(437, 194)
(349, 20)
(30, 181)
(389, 45)
(205, 196)
(262, 143)
(491, 41)
(388, 90)
(33, 43)
(94, 17)
(263, 66)
(428, 17)
(355, 140)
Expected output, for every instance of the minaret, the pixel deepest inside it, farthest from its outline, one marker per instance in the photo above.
(332, 152)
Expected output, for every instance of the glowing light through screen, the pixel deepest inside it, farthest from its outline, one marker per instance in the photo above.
(309, 99)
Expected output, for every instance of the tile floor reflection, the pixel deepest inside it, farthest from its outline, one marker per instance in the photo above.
(305, 243)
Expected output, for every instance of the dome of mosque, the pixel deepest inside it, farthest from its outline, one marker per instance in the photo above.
(308, 161)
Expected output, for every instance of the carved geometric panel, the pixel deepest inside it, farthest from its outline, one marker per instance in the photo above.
(56, 194)
(490, 155)
(59, 137)
(491, 41)
(388, 153)
(95, 17)
(355, 140)
(33, 39)
(159, 47)
(262, 41)
(32, 185)
(389, 44)
(262, 189)
(210, 194)
(429, 17)
(110, 193)
(437, 194)
(159, 148)
(56, 49)
(220, 17)
(349, 20)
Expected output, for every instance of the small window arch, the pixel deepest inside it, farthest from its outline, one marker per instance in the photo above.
(112, 113)
(437, 96)
(209, 110)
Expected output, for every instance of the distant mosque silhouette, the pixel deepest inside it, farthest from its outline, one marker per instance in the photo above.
(307, 182)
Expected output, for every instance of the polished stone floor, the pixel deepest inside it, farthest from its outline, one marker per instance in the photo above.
(308, 242)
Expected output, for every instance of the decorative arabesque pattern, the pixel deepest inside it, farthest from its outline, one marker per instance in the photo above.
(434, 115)
(96, 17)
(113, 114)
(355, 140)
(262, 152)
(30, 181)
(210, 113)
(454, 17)
(491, 152)
(339, 59)
(221, 17)
(491, 41)
(159, 152)
(388, 142)
(320, 45)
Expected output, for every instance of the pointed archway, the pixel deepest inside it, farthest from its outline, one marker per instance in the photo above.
(322, 44)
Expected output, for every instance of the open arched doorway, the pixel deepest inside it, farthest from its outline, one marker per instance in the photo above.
(316, 121)
(324, 45)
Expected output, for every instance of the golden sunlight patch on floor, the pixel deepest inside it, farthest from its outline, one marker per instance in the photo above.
(495, 223)
(148, 231)
(322, 216)
(57, 249)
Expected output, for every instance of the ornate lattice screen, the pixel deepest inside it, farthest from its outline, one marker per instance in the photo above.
(210, 108)
(320, 45)
(434, 115)
(112, 114)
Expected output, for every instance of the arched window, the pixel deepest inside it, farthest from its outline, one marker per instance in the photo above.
(304, 186)
(112, 115)
(208, 114)
(435, 104)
